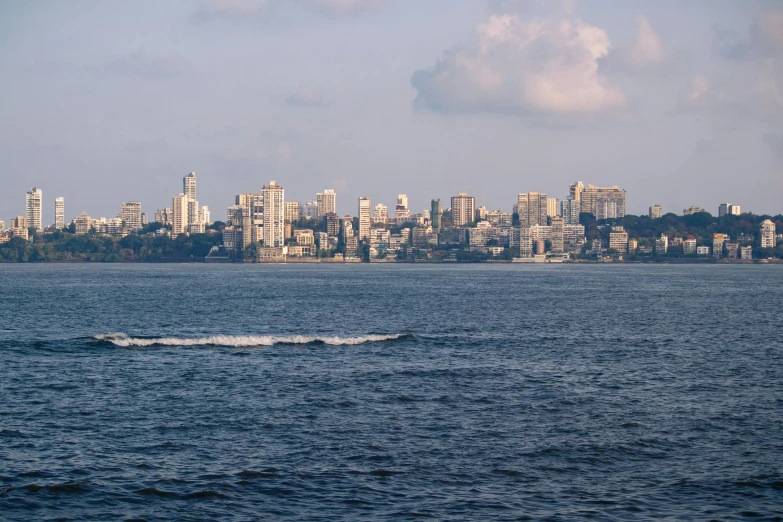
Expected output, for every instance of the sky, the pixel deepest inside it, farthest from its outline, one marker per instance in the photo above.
(106, 101)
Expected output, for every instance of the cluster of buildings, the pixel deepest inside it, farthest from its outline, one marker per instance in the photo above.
(536, 227)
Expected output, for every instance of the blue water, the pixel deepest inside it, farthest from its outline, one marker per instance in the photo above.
(488, 392)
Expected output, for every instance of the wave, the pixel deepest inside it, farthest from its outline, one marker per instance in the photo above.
(241, 341)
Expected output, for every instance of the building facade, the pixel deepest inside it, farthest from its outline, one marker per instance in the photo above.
(34, 206)
(130, 214)
(463, 210)
(364, 218)
(656, 211)
(59, 213)
(768, 234)
(532, 209)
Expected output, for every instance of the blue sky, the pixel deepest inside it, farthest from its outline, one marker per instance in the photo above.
(102, 101)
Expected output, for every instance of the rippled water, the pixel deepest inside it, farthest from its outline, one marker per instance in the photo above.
(196, 392)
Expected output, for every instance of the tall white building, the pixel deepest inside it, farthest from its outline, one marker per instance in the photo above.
(189, 186)
(327, 203)
(59, 213)
(130, 214)
(364, 218)
(273, 196)
(380, 213)
(179, 215)
(767, 234)
(204, 217)
(552, 207)
(34, 205)
(532, 209)
(463, 210)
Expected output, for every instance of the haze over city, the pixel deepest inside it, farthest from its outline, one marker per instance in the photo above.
(680, 104)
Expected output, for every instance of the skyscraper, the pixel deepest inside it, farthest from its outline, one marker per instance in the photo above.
(131, 215)
(179, 211)
(273, 196)
(34, 204)
(327, 203)
(364, 218)
(532, 209)
(463, 209)
(767, 234)
(614, 196)
(59, 213)
(436, 215)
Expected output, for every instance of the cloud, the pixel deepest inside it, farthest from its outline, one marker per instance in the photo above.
(227, 9)
(347, 6)
(775, 144)
(145, 65)
(307, 97)
(213, 10)
(764, 39)
(647, 49)
(697, 95)
(767, 87)
(542, 66)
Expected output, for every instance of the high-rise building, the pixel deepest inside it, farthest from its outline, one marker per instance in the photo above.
(34, 205)
(436, 215)
(273, 196)
(204, 217)
(557, 235)
(401, 211)
(656, 211)
(402, 201)
(532, 209)
(130, 214)
(380, 213)
(569, 210)
(310, 210)
(163, 216)
(189, 186)
(613, 197)
(768, 234)
(728, 209)
(463, 210)
(364, 218)
(332, 224)
(292, 211)
(59, 213)
(552, 207)
(718, 241)
(607, 208)
(575, 191)
(327, 203)
(179, 215)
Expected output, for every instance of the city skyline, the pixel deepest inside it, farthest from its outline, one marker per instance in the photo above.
(684, 105)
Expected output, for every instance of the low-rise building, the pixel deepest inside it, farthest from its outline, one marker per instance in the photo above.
(746, 252)
(618, 240)
(689, 246)
(304, 236)
(732, 251)
(662, 245)
(702, 251)
(718, 241)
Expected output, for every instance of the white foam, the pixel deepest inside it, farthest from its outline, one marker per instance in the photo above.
(123, 340)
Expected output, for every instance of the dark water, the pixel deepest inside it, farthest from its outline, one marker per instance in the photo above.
(490, 393)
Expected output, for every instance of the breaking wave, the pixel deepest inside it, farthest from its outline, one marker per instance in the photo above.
(236, 341)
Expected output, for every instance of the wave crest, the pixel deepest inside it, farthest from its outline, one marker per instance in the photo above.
(242, 341)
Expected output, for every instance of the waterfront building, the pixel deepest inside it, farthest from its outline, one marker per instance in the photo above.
(34, 206)
(424, 237)
(746, 252)
(326, 203)
(575, 191)
(179, 215)
(552, 207)
(332, 224)
(689, 246)
(768, 239)
(130, 215)
(463, 210)
(163, 216)
(59, 213)
(662, 245)
(273, 203)
(718, 241)
(204, 217)
(379, 237)
(702, 251)
(292, 211)
(633, 244)
(728, 209)
(380, 213)
(618, 240)
(569, 210)
(557, 235)
(304, 236)
(364, 218)
(310, 210)
(531, 209)
(656, 211)
(732, 250)
(610, 201)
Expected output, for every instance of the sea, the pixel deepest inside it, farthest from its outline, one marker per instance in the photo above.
(137, 392)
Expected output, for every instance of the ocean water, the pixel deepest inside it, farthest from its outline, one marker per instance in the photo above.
(470, 392)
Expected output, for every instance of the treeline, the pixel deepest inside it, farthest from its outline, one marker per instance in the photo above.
(66, 247)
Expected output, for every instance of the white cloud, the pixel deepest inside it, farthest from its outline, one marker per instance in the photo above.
(699, 90)
(648, 49)
(307, 97)
(544, 66)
